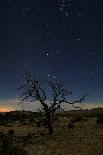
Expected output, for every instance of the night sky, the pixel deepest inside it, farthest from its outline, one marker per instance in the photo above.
(59, 40)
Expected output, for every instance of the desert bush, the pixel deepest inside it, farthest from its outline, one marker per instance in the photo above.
(12, 150)
(11, 132)
(100, 119)
(8, 147)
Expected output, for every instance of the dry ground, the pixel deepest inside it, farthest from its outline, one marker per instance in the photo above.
(85, 139)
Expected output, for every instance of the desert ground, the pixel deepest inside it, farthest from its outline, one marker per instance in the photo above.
(21, 130)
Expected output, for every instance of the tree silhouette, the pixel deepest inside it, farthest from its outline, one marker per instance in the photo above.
(34, 90)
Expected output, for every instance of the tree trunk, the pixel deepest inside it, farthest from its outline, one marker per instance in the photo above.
(50, 125)
(50, 128)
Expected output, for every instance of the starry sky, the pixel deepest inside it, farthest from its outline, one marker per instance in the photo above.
(59, 40)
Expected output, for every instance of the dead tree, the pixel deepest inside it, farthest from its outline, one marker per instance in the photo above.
(34, 90)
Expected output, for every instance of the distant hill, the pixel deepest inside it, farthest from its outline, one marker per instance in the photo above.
(89, 113)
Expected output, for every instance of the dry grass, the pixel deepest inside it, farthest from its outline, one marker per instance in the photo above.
(85, 139)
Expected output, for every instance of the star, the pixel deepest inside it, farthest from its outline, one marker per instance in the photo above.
(53, 77)
(93, 53)
(92, 72)
(66, 14)
(57, 40)
(58, 51)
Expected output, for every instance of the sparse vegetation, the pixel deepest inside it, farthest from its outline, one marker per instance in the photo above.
(10, 149)
(28, 139)
(100, 119)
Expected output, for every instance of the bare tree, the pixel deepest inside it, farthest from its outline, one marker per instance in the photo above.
(34, 90)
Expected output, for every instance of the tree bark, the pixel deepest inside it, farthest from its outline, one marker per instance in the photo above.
(50, 124)
(50, 128)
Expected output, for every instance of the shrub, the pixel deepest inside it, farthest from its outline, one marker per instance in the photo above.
(11, 132)
(12, 150)
(100, 119)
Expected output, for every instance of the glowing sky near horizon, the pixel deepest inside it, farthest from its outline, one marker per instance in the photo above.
(5, 109)
(59, 40)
